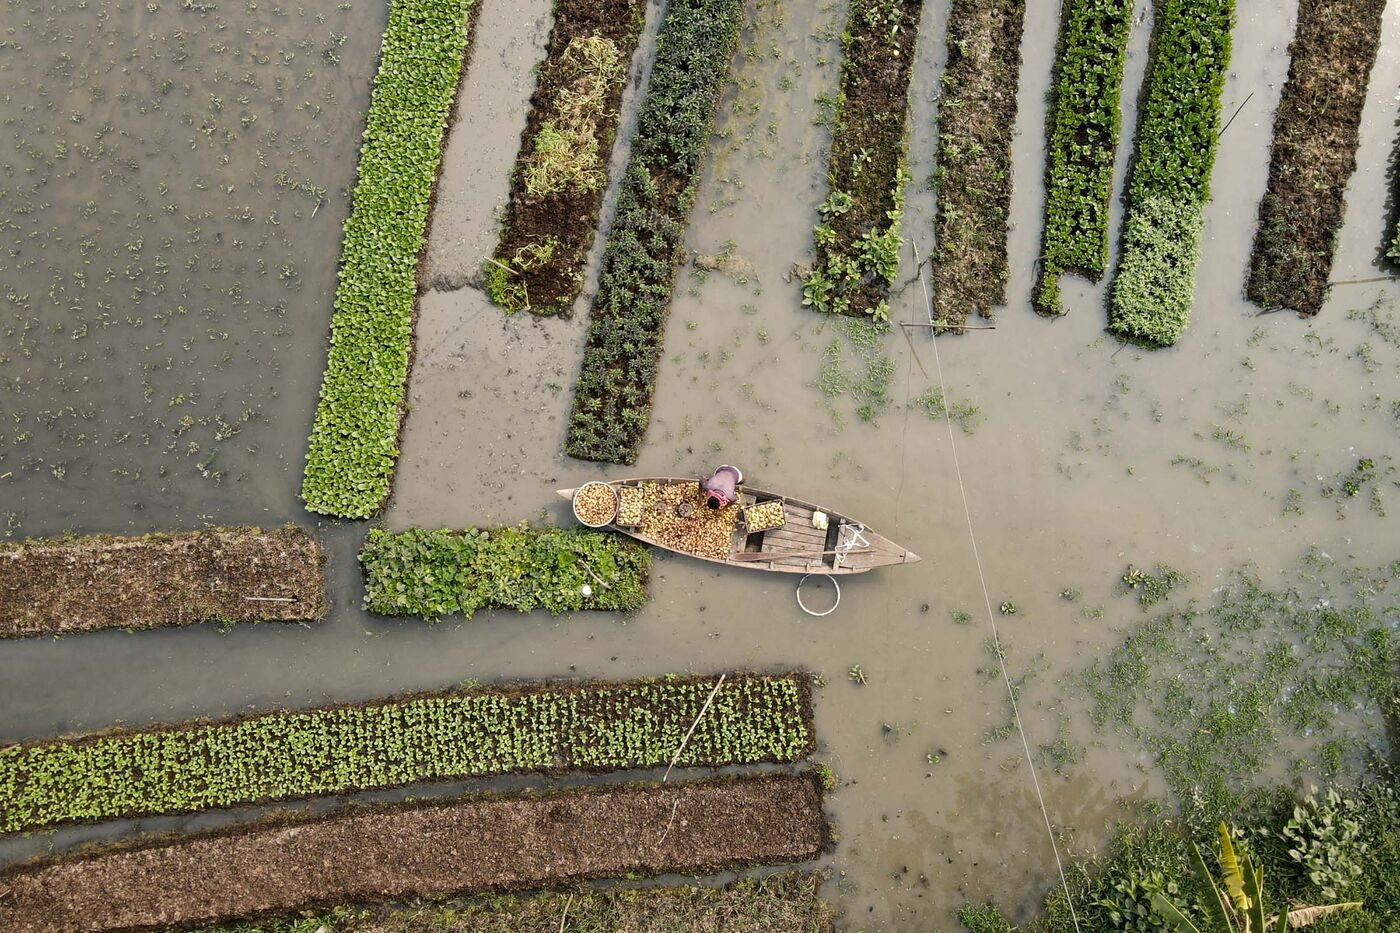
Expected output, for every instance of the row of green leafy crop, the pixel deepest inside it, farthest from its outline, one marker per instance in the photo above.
(436, 573)
(1083, 137)
(354, 440)
(1169, 184)
(858, 240)
(562, 168)
(976, 119)
(280, 756)
(612, 400)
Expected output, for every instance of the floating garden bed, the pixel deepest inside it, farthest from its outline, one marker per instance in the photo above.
(432, 850)
(976, 118)
(1083, 136)
(354, 440)
(64, 585)
(612, 400)
(1169, 183)
(388, 743)
(561, 172)
(1316, 131)
(858, 239)
(790, 902)
(432, 574)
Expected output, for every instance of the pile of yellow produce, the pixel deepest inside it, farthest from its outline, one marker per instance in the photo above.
(595, 504)
(765, 516)
(703, 532)
(629, 505)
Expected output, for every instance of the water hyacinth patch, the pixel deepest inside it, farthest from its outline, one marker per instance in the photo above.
(389, 743)
(354, 440)
(1170, 180)
(432, 574)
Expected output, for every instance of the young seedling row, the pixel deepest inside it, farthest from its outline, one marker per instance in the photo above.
(1082, 139)
(1316, 132)
(354, 440)
(424, 850)
(858, 239)
(976, 118)
(612, 400)
(66, 585)
(389, 743)
(1169, 183)
(561, 171)
(431, 574)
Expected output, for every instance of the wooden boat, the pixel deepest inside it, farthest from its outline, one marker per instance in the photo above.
(798, 545)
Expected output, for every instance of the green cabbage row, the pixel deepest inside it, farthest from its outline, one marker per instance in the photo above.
(612, 399)
(354, 441)
(436, 573)
(280, 756)
(1083, 137)
(1170, 180)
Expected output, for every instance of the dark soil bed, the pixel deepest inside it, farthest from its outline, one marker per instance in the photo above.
(423, 850)
(570, 216)
(1314, 152)
(976, 118)
(867, 154)
(222, 574)
(790, 902)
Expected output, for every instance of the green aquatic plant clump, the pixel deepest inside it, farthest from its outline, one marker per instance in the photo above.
(436, 573)
(354, 440)
(1083, 137)
(1170, 180)
(612, 399)
(470, 733)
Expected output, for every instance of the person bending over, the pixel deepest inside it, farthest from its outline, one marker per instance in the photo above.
(722, 488)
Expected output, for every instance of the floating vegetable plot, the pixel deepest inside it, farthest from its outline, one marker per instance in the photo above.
(104, 581)
(790, 902)
(1082, 139)
(612, 400)
(1170, 180)
(469, 733)
(354, 440)
(858, 239)
(432, 574)
(1316, 132)
(562, 170)
(976, 117)
(427, 849)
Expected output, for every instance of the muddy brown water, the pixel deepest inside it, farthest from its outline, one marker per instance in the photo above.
(1069, 475)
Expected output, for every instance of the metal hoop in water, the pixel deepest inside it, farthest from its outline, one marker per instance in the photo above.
(803, 606)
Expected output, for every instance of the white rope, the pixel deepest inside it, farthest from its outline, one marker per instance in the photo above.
(991, 617)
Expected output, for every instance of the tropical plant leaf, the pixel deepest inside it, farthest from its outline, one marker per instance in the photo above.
(1173, 915)
(1254, 890)
(1215, 904)
(1230, 873)
(1306, 916)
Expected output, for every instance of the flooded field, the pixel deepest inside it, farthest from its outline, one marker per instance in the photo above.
(173, 180)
